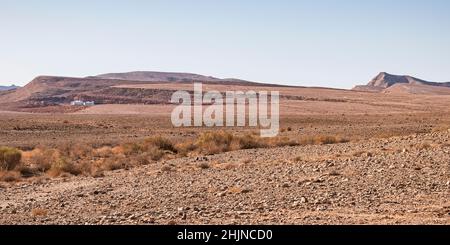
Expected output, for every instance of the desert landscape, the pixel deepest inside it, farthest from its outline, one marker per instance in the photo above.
(377, 154)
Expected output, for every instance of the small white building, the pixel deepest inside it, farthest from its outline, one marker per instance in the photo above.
(77, 103)
(82, 103)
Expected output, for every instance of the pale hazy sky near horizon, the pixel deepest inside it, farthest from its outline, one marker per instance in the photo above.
(332, 43)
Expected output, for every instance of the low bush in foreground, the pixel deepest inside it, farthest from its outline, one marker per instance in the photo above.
(214, 142)
(9, 158)
(82, 159)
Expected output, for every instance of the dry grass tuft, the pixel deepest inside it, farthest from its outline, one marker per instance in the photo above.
(250, 142)
(41, 159)
(142, 159)
(114, 163)
(160, 143)
(103, 152)
(282, 142)
(130, 149)
(211, 143)
(328, 140)
(155, 154)
(9, 158)
(62, 166)
(185, 148)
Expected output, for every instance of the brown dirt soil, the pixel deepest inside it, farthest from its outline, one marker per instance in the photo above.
(393, 171)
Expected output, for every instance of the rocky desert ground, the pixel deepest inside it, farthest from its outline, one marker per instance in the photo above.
(392, 168)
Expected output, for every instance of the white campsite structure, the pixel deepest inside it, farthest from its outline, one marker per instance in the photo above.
(82, 103)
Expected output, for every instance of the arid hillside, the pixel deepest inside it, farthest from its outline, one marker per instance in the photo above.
(54, 94)
(388, 83)
(48, 94)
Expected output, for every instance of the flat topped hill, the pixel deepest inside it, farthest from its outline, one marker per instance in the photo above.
(151, 76)
(113, 88)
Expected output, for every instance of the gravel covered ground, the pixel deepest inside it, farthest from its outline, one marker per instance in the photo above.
(402, 180)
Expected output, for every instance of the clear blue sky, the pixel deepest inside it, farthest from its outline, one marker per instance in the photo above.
(335, 43)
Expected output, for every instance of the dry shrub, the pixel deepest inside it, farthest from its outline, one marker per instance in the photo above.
(141, 159)
(114, 163)
(80, 151)
(103, 152)
(160, 143)
(184, 148)
(94, 169)
(153, 148)
(75, 151)
(42, 159)
(118, 150)
(282, 141)
(9, 158)
(62, 165)
(307, 141)
(132, 149)
(155, 154)
(326, 140)
(83, 159)
(9, 176)
(218, 142)
(52, 162)
(250, 142)
(214, 142)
